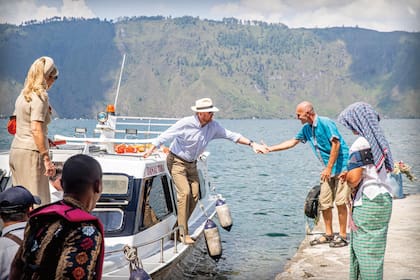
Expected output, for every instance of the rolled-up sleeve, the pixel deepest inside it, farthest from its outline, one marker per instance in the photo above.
(223, 133)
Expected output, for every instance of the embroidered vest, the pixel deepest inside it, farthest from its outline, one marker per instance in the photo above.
(74, 215)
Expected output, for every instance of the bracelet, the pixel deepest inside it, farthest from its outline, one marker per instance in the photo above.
(250, 143)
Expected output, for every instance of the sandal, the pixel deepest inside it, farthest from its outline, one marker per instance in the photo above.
(325, 238)
(339, 242)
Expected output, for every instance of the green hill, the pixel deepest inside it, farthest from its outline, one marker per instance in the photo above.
(250, 69)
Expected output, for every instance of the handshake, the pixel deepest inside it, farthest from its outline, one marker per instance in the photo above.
(260, 148)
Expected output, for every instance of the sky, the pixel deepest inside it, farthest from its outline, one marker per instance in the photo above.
(380, 15)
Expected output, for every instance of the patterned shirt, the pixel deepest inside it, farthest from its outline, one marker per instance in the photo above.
(55, 246)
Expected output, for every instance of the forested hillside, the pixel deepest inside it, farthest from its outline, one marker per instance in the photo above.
(250, 69)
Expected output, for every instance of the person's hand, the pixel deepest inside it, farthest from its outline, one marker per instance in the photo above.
(326, 174)
(260, 148)
(266, 149)
(149, 152)
(49, 168)
(343, 176)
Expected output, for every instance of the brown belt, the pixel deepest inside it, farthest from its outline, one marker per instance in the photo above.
(181, 159)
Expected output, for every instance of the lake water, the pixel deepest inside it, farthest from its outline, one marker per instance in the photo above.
(266, 192)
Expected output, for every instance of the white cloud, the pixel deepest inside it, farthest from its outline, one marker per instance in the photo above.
(382, 15)
(19, 11)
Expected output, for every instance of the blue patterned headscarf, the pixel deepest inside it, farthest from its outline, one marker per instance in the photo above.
(363, 119)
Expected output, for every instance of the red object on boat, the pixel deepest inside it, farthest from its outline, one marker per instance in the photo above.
(11, 125)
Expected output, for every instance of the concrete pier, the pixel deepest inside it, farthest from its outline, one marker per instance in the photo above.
(402, 255)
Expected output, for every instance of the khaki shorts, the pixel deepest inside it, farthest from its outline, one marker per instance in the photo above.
(333, 190)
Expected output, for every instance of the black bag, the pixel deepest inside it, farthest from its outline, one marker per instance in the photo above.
(311, 202)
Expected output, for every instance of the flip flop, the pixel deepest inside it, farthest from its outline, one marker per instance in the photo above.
(325, 238)
(339, 242)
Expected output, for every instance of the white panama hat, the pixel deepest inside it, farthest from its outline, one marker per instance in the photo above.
(204, 105)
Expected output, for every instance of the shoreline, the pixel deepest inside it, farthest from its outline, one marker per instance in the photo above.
(402, 258)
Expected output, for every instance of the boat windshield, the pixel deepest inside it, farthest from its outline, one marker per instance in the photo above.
(115, 184)
(112, 219)
(116, 193)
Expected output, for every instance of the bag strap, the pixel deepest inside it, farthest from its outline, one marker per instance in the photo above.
(359, 159)
(14, 238)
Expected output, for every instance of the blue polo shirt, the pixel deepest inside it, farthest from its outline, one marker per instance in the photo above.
(320, 135)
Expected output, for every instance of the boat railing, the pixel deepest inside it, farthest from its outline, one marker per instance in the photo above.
(136, 126)
(160, 239)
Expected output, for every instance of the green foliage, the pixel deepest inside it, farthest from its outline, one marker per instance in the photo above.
(250, 68)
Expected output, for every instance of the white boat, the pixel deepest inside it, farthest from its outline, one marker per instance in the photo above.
(138, 205)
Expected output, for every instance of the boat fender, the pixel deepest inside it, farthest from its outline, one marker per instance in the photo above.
(213, 242)
(223, 213)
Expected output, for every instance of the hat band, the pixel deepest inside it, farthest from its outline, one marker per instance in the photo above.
(206, 107)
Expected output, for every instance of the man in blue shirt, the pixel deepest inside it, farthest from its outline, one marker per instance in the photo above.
(189, 137)
(330, 148)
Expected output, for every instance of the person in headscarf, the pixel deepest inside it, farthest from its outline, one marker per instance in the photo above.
(370, 160)
(29, 161)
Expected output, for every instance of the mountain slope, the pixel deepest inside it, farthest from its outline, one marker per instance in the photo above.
(250, 69)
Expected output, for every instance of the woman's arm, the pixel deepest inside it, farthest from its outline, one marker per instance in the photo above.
(354, 177)
(39, 139)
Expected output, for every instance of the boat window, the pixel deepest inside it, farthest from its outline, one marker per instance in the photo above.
(157, 201)
(115, 184)
(112, 219)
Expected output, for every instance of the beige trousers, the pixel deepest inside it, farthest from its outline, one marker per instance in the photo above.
(185, 176)
(28, 170)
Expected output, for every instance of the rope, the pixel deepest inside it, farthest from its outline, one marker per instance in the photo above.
(130, 254)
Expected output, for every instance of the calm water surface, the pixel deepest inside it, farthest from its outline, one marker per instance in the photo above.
(266, 192)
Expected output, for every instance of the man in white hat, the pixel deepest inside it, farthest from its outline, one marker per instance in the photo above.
(189, 137)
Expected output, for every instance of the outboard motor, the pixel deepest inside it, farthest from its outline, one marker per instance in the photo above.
(223, 213)
(213, 242)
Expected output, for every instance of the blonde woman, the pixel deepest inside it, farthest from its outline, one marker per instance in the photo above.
(29, 160)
